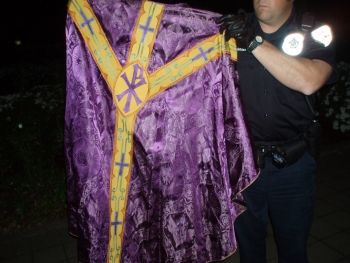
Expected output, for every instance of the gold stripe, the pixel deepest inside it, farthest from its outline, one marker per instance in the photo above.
(145, 32)
(96, 40)
(230, 48)
(190, 62)
(141, 49)
(119, 181)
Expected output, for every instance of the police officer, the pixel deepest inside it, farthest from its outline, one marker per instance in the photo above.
(281, 62)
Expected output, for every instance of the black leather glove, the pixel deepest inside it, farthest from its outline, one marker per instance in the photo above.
(237, 26)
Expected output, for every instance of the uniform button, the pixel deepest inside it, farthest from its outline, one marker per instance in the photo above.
(266, 115)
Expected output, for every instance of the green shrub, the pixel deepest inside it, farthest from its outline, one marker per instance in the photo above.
(335, 102)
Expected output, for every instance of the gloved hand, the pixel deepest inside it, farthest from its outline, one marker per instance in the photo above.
(236, 26)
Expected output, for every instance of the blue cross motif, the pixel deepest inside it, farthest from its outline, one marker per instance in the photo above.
(87, 22)
(137, 81)
(202, 54)
(146, 28)
(116, 223)
(122, 164)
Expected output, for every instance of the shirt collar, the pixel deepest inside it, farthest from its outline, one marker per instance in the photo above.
(281, 32)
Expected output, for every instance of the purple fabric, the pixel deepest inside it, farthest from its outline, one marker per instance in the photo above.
(192, 154)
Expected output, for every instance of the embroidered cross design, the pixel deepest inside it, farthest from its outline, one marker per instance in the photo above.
(87, 22)
(122, 164)
(137, 81)
(202, 54)
(116, 223)
(146, 28)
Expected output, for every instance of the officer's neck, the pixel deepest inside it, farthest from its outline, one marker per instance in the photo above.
(272, 25)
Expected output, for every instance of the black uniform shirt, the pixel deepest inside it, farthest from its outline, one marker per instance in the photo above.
(274, 112)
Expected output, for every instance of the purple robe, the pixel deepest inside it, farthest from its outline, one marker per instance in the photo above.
(192, 154)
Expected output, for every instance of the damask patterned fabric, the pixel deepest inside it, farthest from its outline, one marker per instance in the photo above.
(191, 158)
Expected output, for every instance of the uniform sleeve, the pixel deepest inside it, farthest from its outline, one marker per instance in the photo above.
(315, 50)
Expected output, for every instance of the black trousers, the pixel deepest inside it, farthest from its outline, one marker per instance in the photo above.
(285, 196)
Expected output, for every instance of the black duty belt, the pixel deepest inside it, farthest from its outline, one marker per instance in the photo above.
(281, 153)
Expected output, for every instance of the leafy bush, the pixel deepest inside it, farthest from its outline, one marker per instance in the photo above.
(335, 104)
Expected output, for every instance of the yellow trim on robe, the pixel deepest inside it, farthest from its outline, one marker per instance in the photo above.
(96, 40)
(189, 62)
(145, 33)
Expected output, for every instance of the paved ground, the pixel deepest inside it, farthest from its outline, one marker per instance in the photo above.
(329, 242)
